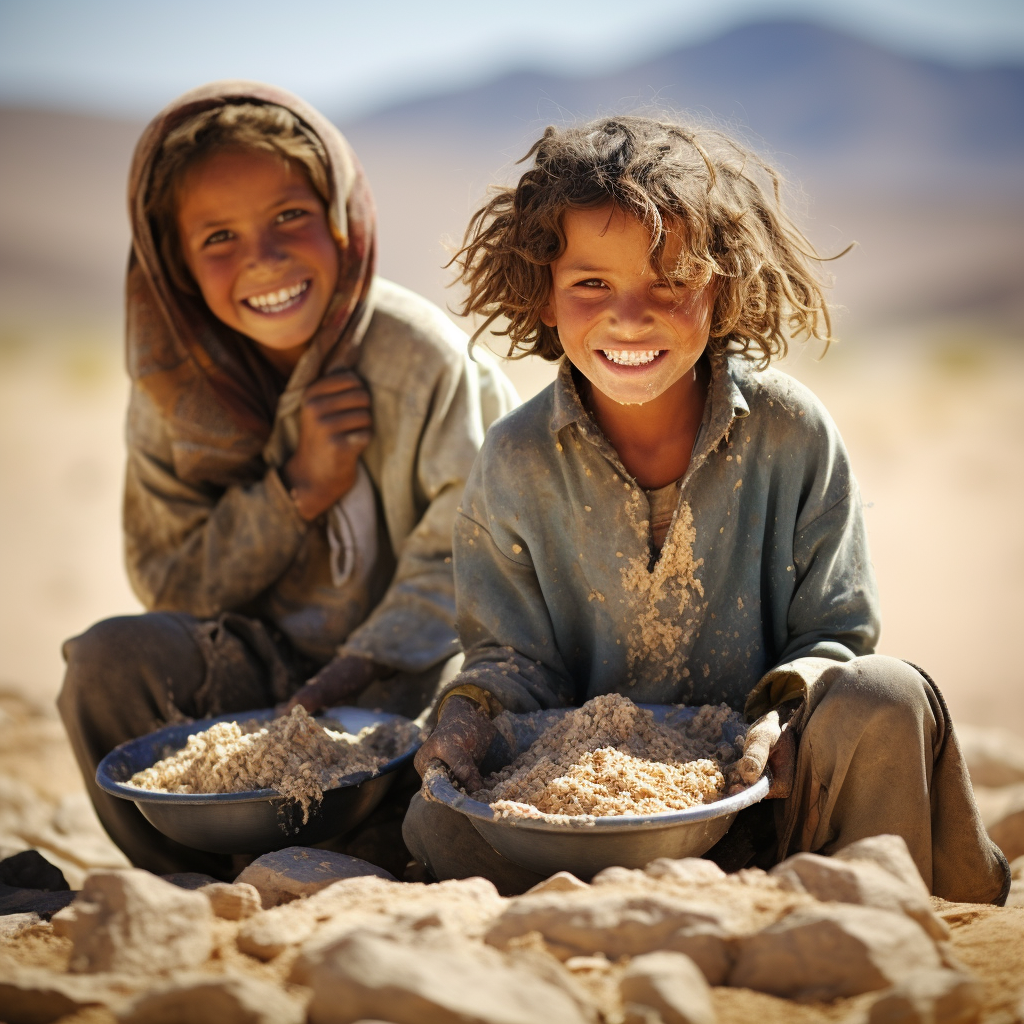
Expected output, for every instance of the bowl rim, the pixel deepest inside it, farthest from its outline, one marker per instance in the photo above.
(120, 789)
(440, 788)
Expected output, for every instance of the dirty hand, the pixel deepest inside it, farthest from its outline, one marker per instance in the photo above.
(460, 739)
(335, 427)
(769, 742)
(338, 681)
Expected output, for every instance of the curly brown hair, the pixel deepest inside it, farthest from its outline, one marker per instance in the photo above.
(727, 198)
(264, 127)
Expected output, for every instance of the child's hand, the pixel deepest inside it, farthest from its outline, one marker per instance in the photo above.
(338, 681)
(335, 427)
(770, 743)
(460, 739)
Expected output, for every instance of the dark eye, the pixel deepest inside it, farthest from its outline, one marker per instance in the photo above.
(590, 282)
(218, 236)
(286, 215)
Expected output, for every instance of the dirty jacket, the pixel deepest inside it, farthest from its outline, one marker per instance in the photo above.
(764, 578)
(206, 548)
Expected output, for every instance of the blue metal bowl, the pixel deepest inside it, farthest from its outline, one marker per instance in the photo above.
(586, 845)
(256, 821)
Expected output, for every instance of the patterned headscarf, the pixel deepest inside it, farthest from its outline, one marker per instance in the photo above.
(215, 390)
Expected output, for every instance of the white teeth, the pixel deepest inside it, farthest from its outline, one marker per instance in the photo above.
(276, 302)
(630, 357)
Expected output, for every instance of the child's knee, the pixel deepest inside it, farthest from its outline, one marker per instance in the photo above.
(877, 696)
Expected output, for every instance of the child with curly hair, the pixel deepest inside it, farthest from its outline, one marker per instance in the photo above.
(676, 521)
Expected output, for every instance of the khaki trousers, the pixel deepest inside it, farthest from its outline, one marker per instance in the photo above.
(877, 754)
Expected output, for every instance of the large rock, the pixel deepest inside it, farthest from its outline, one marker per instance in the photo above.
(709, 949)
(201, 999)
(890, 853)
(270, 933)
(31, 870)
(614, 923)
(686, 869)
(561, 881)
(826, 952)
(131, 921)
(861, 882)
(930, 997)
(33, 995)
(369, 976)
(233, 901)
(298, 871)
(995, 757)
(671, 984)
(32, 901)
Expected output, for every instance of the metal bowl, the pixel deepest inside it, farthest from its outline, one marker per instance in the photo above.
(586, 845)
(256, 821)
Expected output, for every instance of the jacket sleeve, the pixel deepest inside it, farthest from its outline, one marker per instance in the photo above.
(503, 622)
(833, 613)
(429, 457)
(199, 549)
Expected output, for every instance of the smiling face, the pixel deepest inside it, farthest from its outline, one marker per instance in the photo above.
(256, 237)
(622, 325)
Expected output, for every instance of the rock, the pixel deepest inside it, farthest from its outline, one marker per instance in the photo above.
(561, 881)
(31, 870)
(616, 924)
(12, 925)
(671, 984)
(995, 757)
(687, 869)
(33, 995)
(202, 999)
(1008, 832)
(709, 950)
(826, 952)
(860, 882)
(270, 933)
(286, 875)
(132, 921)
(890, 853)
(930, 997)
(233, 901)
(33, 901)
(189, 879)
(371, 976)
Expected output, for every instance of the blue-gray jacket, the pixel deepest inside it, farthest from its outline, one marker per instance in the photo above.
(765, 565)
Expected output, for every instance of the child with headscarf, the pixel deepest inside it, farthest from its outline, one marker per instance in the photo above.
(299, 435)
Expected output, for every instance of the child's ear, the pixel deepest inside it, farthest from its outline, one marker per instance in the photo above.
(547, 314)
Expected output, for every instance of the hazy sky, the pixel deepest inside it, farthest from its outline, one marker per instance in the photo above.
(132, 56)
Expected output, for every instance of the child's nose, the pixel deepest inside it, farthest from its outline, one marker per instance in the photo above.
(631, 313)
(266, 248)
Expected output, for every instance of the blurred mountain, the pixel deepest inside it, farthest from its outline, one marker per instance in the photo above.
(813, 93)
(921, 163)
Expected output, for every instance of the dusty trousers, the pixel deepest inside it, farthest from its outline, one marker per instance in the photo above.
(131, 675)
(877, 754)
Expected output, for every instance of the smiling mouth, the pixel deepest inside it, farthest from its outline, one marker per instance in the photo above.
(631, 357)
(277, 301)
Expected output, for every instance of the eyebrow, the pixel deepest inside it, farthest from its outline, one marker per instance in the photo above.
(283, 200)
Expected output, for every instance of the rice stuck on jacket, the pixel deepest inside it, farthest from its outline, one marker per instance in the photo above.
(610, 757)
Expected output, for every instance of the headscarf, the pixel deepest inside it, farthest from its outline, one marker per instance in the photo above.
(221, 398)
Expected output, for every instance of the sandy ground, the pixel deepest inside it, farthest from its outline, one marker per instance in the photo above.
(933, 432)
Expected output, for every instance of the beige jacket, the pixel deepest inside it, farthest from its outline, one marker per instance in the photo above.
(374, 575)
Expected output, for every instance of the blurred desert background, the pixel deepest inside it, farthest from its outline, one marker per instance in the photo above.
(917, 159)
